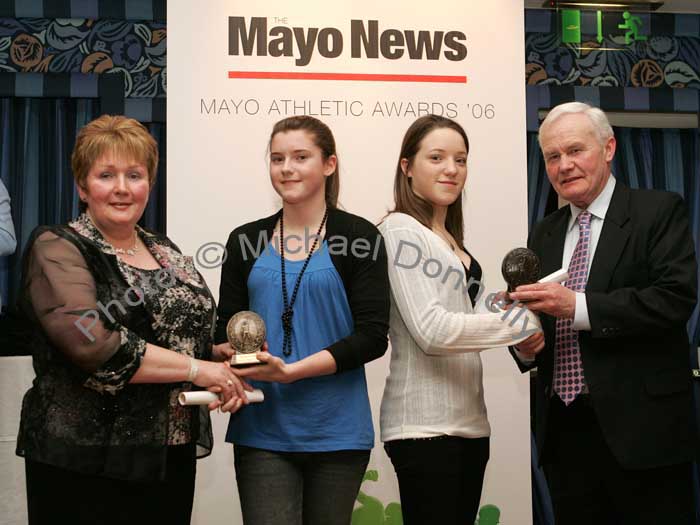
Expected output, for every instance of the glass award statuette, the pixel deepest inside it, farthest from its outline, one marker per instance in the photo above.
(246, 333)
(520, 266)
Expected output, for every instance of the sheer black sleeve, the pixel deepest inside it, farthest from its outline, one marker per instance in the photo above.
(62, 293)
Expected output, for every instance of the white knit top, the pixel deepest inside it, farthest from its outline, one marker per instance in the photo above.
(434, 385)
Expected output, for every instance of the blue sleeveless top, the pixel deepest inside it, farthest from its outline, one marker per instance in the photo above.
(317, 414)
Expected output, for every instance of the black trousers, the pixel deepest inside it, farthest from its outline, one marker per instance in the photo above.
(589, 487)
(440, 479)
(56, 495)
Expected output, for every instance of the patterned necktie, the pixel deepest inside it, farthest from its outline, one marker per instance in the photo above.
(568, 370)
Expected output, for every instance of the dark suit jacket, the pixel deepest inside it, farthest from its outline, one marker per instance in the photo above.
(641, 291)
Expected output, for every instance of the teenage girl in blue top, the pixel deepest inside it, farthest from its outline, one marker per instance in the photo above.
(318, 278)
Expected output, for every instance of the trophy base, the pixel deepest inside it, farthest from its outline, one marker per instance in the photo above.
(240, 360)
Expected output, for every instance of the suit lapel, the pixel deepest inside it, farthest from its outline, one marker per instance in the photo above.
(553, 250)
(551, 254)
(613, 239)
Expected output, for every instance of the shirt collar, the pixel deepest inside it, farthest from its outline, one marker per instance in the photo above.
(599, 207)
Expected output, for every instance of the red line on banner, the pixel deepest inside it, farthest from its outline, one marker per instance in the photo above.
(366, 77)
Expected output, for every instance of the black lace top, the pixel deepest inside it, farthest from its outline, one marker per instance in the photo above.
(87, 317)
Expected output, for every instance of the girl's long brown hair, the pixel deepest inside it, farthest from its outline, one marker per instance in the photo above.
(406, 200)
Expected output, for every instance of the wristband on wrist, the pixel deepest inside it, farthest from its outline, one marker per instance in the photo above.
(194, 368)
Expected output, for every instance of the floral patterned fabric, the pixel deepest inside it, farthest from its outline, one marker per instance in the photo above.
(179, 314)
(135, 49)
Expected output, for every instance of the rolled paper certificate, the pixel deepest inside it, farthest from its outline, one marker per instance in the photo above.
(559, 276)
(204, 397)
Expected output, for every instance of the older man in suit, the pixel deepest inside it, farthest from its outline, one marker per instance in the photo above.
(615, 430)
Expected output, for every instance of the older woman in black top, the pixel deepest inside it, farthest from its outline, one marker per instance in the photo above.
(119, 323)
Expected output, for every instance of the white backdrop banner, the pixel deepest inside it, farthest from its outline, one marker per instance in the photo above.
(368, 69)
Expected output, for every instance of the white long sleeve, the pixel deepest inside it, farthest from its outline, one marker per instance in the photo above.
(8, 242)
(435, 380)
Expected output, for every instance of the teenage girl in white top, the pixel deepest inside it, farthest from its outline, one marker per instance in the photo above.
(433, 417)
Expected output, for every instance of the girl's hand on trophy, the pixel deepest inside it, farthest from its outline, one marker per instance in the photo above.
(222, 352)
(271, 368)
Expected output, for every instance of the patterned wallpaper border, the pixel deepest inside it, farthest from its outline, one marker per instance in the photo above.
(664, 54)
(135, 49)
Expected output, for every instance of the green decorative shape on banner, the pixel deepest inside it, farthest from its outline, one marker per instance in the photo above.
(488, 515)
(633, 24)
(599, 18)
(571, 26)
(372, 510)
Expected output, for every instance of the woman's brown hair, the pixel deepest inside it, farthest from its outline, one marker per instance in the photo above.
(113, 133)
(323, 138)
(406, 200)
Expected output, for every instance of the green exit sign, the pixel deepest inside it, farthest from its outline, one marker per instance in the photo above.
(571, 27)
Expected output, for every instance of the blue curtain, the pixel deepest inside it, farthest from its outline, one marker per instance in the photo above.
(36, 140)
(663, 159)
(669, 160)
(538, 187)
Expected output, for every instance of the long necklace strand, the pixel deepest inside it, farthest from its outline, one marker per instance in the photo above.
(288, 311)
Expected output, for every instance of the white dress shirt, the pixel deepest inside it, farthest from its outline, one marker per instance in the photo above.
(598, 209)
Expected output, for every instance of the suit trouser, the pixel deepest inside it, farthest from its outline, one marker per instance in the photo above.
(589, 487)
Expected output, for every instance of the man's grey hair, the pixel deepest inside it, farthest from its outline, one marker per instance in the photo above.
(600, 122)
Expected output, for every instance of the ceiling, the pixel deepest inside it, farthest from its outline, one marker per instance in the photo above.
(670, 6)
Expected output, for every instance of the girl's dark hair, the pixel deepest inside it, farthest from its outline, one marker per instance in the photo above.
(406, 200)
(323, 138)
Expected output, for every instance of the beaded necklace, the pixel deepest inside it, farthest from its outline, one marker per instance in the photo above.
(288, 311)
